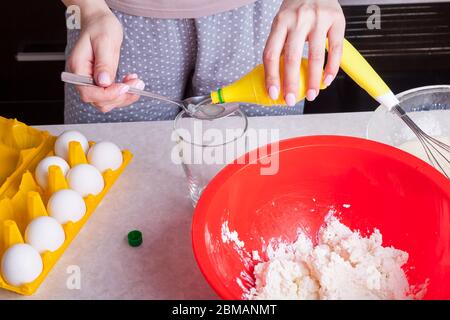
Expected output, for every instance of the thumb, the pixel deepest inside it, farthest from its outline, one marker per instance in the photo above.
(106, 60)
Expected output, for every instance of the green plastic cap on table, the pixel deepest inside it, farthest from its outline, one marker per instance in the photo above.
(135, 238)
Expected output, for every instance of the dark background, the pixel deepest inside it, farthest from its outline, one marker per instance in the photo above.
(411, 49)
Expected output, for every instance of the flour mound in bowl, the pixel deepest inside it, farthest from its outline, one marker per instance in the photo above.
(343, 265)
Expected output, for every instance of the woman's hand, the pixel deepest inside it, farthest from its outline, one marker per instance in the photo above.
(96, 54)
(298, 21)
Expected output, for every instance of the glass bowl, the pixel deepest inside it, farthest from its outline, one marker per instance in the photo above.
(428, 106)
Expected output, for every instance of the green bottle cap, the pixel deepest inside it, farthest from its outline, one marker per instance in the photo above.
(219, 93)
(135, 238)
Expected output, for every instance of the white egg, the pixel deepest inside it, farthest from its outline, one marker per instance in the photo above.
(41, 172)
(85, 179)
(105, 155)
(45, 234)
(62, 143)
(66, 205)
(21, 264)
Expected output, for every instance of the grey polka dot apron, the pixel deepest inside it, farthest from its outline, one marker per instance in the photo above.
(183, 57)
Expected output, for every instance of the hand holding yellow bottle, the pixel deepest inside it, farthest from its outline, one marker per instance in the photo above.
(251, 88)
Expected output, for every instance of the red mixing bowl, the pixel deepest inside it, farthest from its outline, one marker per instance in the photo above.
(371, 185)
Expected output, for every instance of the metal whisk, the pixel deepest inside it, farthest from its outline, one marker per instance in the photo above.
(434, 149)
(354, 64)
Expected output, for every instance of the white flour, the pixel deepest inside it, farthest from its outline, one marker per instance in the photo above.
(343, 265)
(231, 236)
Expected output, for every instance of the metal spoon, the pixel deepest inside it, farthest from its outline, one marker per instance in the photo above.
(199, 107)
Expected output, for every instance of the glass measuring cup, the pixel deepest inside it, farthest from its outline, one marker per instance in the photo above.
(204, 147)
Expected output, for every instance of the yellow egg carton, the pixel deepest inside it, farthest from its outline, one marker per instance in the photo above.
(21, 199)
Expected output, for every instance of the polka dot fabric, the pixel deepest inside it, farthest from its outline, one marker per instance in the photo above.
(183, 57)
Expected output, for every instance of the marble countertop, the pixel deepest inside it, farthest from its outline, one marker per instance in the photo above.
(151, 196)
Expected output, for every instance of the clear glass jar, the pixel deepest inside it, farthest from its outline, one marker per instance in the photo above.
(204, 147)
(428, 106)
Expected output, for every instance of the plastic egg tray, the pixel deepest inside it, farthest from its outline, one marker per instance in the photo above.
(22, 200)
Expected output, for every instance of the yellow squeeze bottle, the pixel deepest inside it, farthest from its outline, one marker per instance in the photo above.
(251, 88)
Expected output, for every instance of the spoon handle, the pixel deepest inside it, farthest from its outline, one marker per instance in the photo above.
(89, 82)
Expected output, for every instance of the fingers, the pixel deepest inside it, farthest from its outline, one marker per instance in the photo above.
(106, 59)
(271, 56)
(122, 100)
(130, 76)
(296, 22)
(134, 82)
(316, 58)
(81, 61)
(81, 58)
(292, 54)
(335, 38)
(95, 94)
(96, 54)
